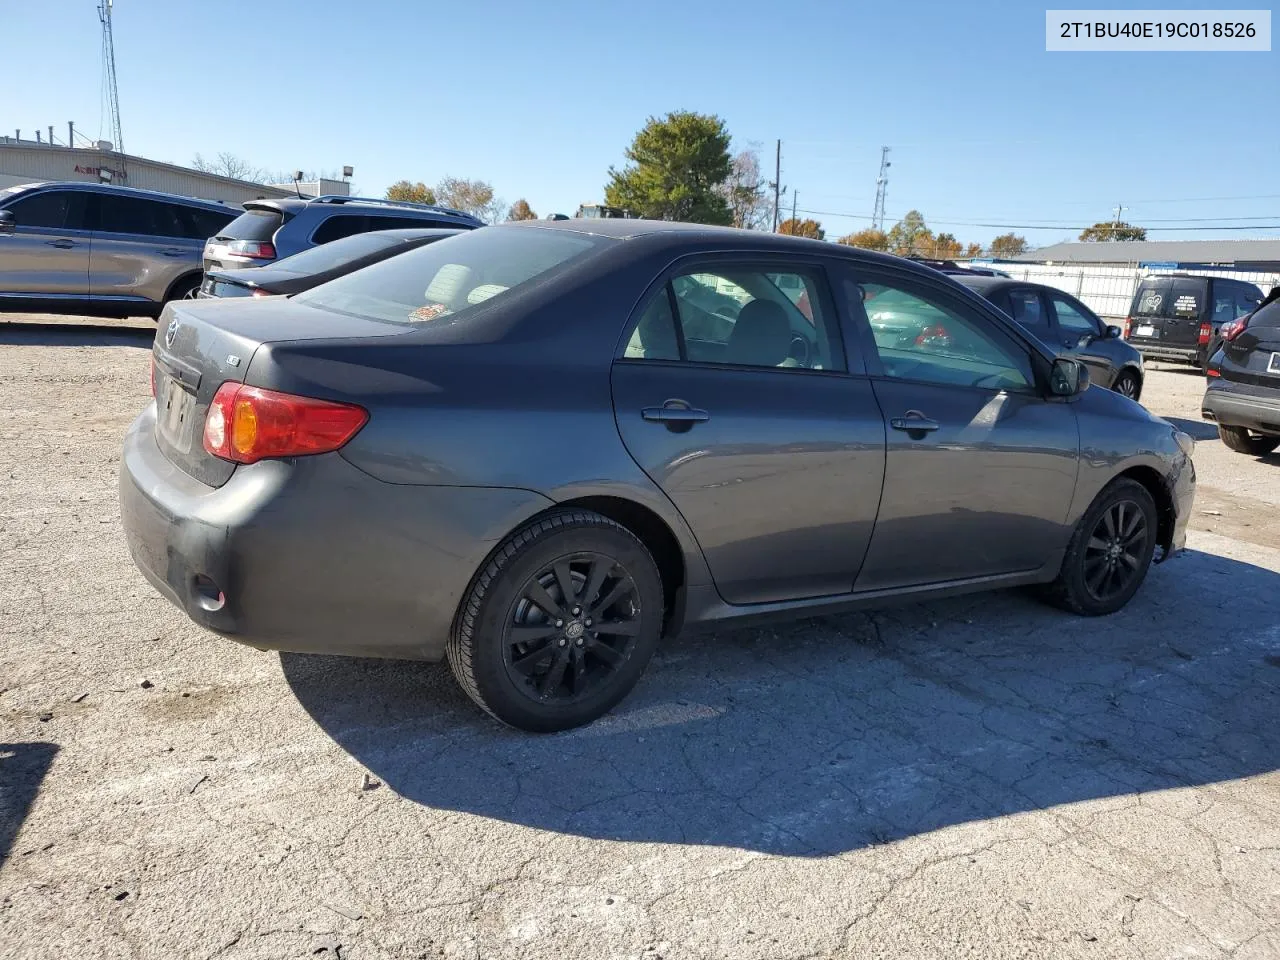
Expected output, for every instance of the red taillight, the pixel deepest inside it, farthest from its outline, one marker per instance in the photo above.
(1128, 325)
(247, 424)
(1213, 372)
(1229, 331)
(259, 292)
(1206, 330)
(253, 249)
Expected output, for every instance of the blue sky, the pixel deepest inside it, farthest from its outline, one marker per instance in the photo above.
(540, 98)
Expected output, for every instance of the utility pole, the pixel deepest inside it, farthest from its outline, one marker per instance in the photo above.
(1119, 209)
(777, 185)
(793, 208)
(71, 133)
(882, 184)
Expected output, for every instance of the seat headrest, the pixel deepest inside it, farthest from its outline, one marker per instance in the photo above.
(761, 337)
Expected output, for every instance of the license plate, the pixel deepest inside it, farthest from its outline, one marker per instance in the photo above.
(173, 410)
(1146, 330)
(1273, 365)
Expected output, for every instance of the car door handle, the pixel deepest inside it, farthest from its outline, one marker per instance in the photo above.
(914, 422)
(676, 414)
(61, 244)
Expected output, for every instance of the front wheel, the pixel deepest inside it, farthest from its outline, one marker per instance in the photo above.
(1243, 441)
(560, 624)
(1127, 385)
(1110, 551)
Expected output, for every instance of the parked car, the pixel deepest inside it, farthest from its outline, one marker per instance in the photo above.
(318, 265)
(270, 230)
(533, 450)
(1067, 325)
(99, 249)
(1243, 396)
(1176, 316)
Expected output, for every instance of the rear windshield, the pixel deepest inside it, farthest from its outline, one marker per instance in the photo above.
(452, 277)
(330, 255)
(1170, 297)
(253, 225)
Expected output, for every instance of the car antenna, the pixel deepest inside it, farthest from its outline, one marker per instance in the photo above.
(297, 175)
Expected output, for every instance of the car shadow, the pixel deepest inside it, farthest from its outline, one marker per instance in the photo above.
(23, 767)
(26, 334)
(839, 732)
(1195, 429)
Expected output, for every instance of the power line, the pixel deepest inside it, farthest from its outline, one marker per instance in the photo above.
(1043, 226)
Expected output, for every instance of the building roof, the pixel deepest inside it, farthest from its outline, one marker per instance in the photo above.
(1254, 254)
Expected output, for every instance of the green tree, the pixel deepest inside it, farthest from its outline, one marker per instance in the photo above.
(1008, 245)
(520, 211)
(868, 239)
(411, 192)
(802, 228)
(1113, 231)
(910, 235)
(677, 170)
(470, 196)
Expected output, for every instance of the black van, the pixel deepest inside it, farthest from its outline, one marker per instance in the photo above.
(1175, 316)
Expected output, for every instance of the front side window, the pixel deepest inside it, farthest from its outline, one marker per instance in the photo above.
(49, 208)
(921, 335)
(446, 281)
(741, 317)
(1070, 320)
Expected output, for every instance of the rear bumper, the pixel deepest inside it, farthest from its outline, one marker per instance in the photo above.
(1154, 351)
(1226, 403)
(311, 555)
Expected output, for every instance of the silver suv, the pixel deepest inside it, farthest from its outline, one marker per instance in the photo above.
(99, 249)
(270, 230)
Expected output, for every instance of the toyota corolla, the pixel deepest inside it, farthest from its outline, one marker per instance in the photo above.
(537, 448)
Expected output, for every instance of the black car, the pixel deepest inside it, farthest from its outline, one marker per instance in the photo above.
(310, 268)
(1177, 316)
(1067, 325)
(536, 448)
(1243, 396)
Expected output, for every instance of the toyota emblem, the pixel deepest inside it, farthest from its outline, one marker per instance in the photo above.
(171, 332)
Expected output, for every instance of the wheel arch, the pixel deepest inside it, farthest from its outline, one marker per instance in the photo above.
(180, 281)
(1158, 487)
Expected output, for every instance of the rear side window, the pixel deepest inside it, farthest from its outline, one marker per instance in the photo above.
(339, 226)
(255, 224)
(1027, 308)
(445, 282)
(201, 224)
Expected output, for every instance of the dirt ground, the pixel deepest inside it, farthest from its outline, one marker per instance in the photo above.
(981, 777)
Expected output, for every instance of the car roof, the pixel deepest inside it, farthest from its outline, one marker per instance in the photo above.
(987, 286)
(132, 192)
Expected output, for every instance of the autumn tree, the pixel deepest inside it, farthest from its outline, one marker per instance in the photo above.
(946, 246)
(520, 211)
(746, 192)
(802, 228)
(470, 196)
(868, 239)
(1008, 245)
(972, 250)
(1118, 230)
(910, 235)
(677, 169)
(412, 192)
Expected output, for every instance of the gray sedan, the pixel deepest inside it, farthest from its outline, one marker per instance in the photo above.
(535, 449)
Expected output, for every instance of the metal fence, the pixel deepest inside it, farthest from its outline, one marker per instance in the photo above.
(1108, 291)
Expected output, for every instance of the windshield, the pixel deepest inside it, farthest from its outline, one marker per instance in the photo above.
(335, 254)
(453, 277)
(1170, 297)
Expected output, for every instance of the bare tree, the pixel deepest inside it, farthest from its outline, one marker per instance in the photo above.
(470, 196)
(746, 192)
(229, 165)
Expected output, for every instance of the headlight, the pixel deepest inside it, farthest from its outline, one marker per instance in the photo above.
(1185, 442)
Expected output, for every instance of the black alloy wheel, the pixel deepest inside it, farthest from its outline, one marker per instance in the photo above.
(1115, 551)
(1127, 385)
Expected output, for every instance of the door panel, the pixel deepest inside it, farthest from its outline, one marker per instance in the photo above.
(780, 484)
(985, 493)
(48, 252)
(139, 248)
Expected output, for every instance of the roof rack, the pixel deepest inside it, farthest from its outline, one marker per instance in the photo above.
(434, 208)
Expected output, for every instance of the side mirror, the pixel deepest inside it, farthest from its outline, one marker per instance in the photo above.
(1114, 333)
(1068, 378)
(7, 222)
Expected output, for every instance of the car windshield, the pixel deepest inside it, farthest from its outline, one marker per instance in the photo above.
(453, 277)
(335, 254)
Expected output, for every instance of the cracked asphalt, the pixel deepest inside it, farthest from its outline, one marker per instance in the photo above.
(981, 777)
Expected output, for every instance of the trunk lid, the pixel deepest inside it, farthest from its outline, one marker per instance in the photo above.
(1168, 311)
(202, 344)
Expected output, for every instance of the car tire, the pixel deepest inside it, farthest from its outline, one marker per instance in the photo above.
(185, 288)
(542, 669)
(1100, 547)
(1128, 384)
(1243, 441)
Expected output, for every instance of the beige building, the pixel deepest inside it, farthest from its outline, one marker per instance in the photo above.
(22, 161)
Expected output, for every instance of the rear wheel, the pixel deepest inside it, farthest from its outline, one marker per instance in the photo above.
(1127, 384)
(186, 288)
(1110, 552)
(560, 624)
(1244, 441)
